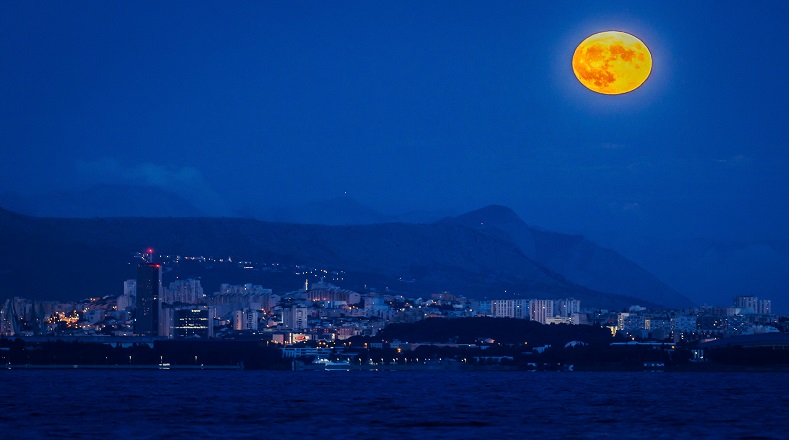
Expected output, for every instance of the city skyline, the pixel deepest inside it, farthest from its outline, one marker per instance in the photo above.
(322, 312)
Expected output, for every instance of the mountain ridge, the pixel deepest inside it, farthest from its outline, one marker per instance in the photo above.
(440, 256)
(573, 256)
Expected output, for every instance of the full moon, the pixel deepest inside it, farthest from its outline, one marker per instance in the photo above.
(612, 62)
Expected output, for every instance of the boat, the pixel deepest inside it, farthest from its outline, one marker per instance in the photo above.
(332, 365)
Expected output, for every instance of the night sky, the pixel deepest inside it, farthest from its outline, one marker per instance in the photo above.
(402, 106)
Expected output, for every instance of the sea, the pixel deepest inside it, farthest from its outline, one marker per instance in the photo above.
(233, 404)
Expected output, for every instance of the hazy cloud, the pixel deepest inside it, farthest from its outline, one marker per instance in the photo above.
(631, 206)
(108, 170)
(186, 181)
(736, 160)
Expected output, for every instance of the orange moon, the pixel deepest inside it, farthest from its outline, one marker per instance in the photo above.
(612, 63)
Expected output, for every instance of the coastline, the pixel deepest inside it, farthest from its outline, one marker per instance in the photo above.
(121, 367)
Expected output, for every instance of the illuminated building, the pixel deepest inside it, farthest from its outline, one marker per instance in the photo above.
(7, 319)
(295, 318)
(192, 322)
(683, 323)
(502, 308)
(188, 291)
(540, 310)
(483, 307)
(332, 294)
(246, 319)
(752, 304)
(565, 308)
(764, 307)
(240, 297)
(129, 297)
(749, 303)
(149, 307)
(579, 319)
(509, 308)
(130, 287)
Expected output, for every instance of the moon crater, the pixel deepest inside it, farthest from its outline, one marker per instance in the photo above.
(612, 62)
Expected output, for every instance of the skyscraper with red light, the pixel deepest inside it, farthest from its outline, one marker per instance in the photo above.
(149, 307)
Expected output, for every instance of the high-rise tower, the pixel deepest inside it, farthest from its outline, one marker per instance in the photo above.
(149, 307)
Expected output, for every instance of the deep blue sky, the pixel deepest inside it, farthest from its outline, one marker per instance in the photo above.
(407, 105)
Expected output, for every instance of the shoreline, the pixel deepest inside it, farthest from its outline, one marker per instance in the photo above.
(121, 367)
(437, 367)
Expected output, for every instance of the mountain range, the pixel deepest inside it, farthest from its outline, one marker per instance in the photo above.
(489, 253)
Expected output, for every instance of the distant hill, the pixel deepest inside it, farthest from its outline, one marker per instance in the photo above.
(74, 258)
(574, 257)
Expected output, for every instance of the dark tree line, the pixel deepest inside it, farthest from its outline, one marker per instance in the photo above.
(249, 354)
(501, 330)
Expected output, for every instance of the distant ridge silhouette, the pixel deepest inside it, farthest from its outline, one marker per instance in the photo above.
(74, 258)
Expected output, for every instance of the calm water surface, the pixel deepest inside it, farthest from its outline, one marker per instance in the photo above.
(264, 404)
